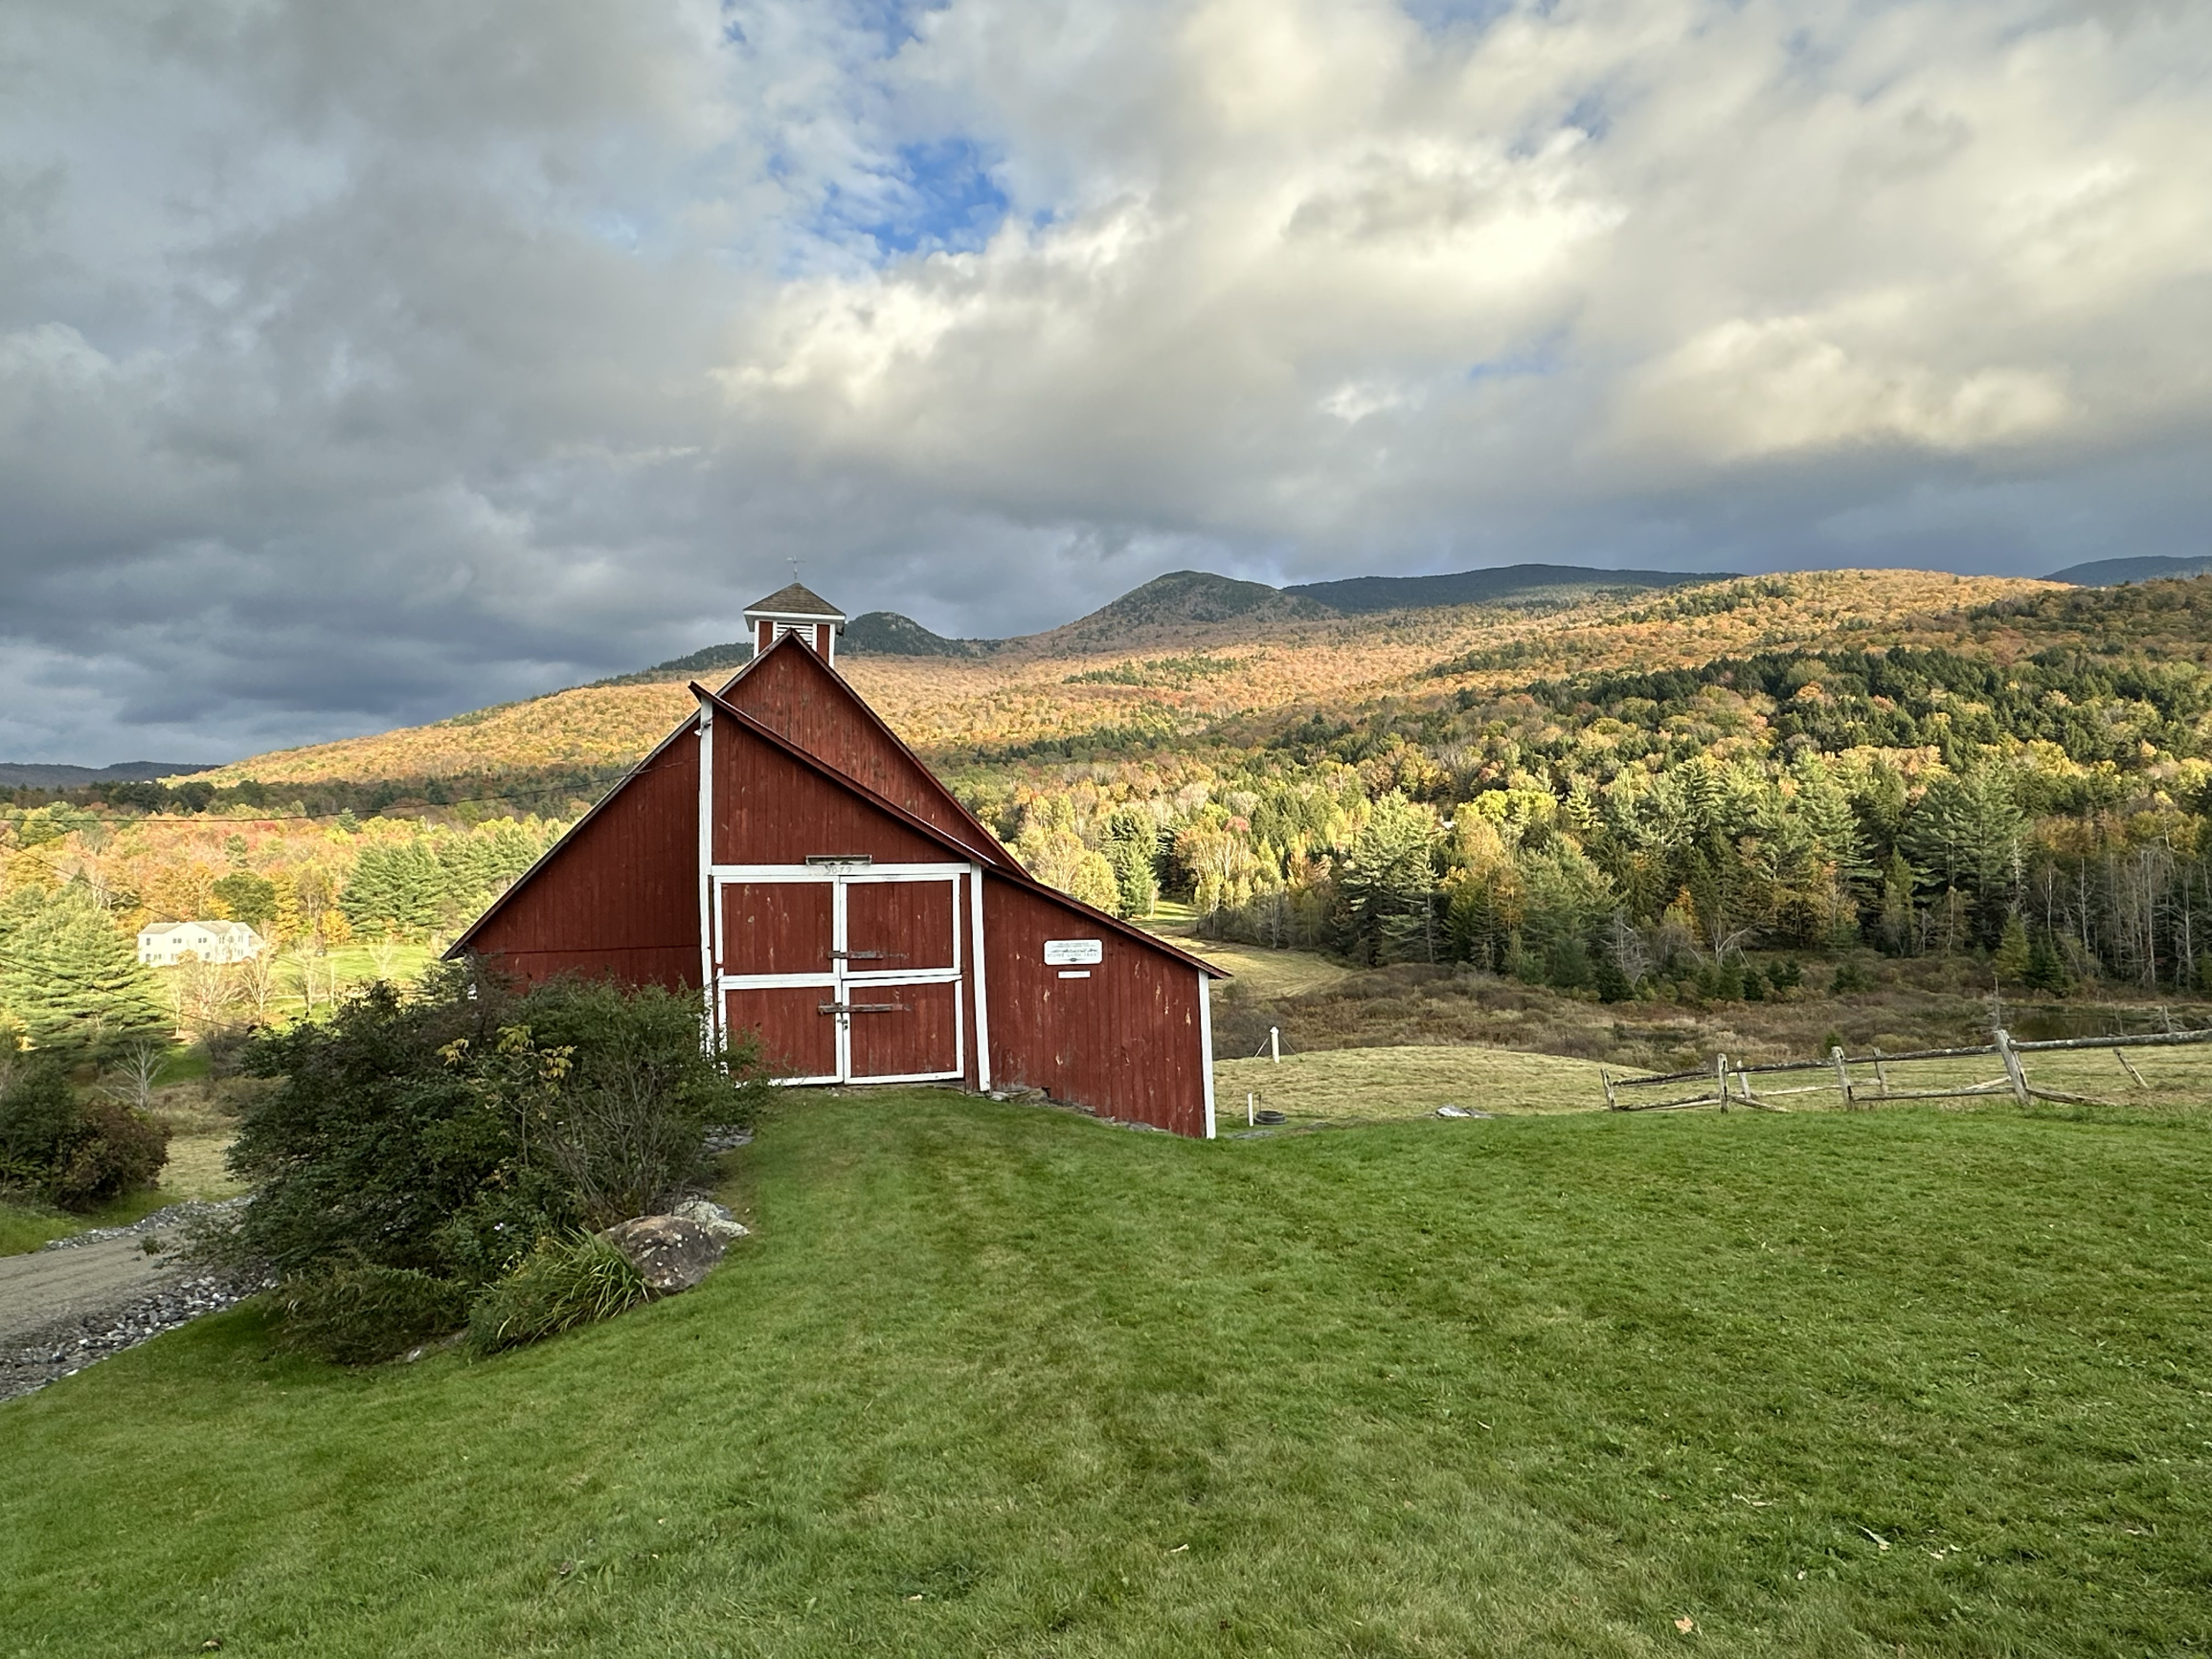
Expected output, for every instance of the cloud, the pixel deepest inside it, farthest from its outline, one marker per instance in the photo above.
(359, 364)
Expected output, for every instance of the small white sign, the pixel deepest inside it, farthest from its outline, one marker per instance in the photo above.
(1074, 973)
(1067, 952)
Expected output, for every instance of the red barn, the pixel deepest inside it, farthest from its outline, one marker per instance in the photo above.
(786, 857)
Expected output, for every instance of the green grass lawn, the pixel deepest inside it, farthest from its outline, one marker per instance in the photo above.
(997, 1379)
(25, 1226)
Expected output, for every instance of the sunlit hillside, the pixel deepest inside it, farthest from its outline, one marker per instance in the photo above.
(1145, 669)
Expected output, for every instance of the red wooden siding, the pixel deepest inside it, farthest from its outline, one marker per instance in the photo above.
(798, 697)
(769, 808)
(620, 898)
(776, 927)
(798, 1039)
(1125, 1041)
(904, 1030)
(910, 922)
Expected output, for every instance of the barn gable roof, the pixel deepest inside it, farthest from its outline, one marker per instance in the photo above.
(929, 798)
(1010, 872)
(976, 845)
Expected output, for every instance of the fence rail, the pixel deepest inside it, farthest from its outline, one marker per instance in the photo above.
(1865, 1091)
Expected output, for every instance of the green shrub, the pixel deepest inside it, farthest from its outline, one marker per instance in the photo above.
(116, 1150)
(370, 1143)
(448, 1133)
(72, 1155)
(1850, 976)
(565, 1282)
(37, 1113)
(361, 1314)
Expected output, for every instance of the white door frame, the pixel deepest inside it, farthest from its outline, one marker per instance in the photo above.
(842, 980)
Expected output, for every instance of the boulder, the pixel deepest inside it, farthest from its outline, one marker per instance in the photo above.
(712, 1216)
(672, 1253)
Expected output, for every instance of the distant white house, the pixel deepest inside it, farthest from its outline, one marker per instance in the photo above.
(165, 944)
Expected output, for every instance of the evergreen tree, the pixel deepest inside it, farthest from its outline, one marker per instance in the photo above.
(72, 980)
(2046, 969)
(1389, 883)
(249, 898)
(1133, 849)
(2013, 951)
(1612, 983)
(1898, 933)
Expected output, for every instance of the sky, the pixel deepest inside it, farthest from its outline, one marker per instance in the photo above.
(363, 363)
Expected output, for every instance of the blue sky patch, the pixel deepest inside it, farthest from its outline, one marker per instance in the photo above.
(935, 195)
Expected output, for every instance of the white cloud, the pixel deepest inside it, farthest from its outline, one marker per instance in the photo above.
(358, 363)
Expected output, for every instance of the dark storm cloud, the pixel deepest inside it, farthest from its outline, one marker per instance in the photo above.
(359, 364)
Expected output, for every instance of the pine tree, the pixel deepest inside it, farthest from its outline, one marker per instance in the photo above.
(2046, 969)
(1390, 881)
(74, 982)
(1612, 983)
(1133, 849)
(2013, 951)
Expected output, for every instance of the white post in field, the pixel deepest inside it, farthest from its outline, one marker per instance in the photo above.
(1274, 1043)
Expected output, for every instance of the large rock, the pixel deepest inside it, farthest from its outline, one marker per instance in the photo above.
(672, 1253)
(712, 1216)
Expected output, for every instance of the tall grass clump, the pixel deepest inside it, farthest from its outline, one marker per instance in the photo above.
(564, 1283)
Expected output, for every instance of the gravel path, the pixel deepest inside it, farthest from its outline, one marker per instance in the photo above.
(83, 1298)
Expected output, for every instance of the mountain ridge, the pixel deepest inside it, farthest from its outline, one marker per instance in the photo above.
(55, 775)
(2149, 568)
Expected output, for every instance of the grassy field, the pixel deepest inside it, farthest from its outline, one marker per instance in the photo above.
(997, 1379)
(1367, 1085)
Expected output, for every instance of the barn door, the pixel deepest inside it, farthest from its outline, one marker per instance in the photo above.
(774, 939)
(849, 975)
(900, 943)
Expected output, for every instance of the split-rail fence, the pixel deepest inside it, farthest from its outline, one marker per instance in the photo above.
(1871, 1084)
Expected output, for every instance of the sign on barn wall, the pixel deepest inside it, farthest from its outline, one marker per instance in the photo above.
(1067, 953)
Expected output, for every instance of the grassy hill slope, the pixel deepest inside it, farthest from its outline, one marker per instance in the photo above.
(993, 1380)
(1179, 655)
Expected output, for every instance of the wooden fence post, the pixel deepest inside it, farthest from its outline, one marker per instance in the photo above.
(1843, 1079)
(2012, 1065)
(1612, 1101)
(2130, 1068)
(1881, 1077)
(1721, 1079)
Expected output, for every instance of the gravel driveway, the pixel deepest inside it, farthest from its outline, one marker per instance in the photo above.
(81, 1299)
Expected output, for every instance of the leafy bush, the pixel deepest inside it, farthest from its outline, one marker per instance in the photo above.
(76, 1155)
(114, 1150)
(625, 1123)
(361, 1314)
(564, 1283)
(448, 1133)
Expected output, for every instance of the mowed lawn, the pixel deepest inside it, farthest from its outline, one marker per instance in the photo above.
(995, 1379)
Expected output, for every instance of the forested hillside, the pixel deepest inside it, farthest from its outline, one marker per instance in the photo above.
(1678, 794)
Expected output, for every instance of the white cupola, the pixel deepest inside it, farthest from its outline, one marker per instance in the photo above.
(796, 610)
